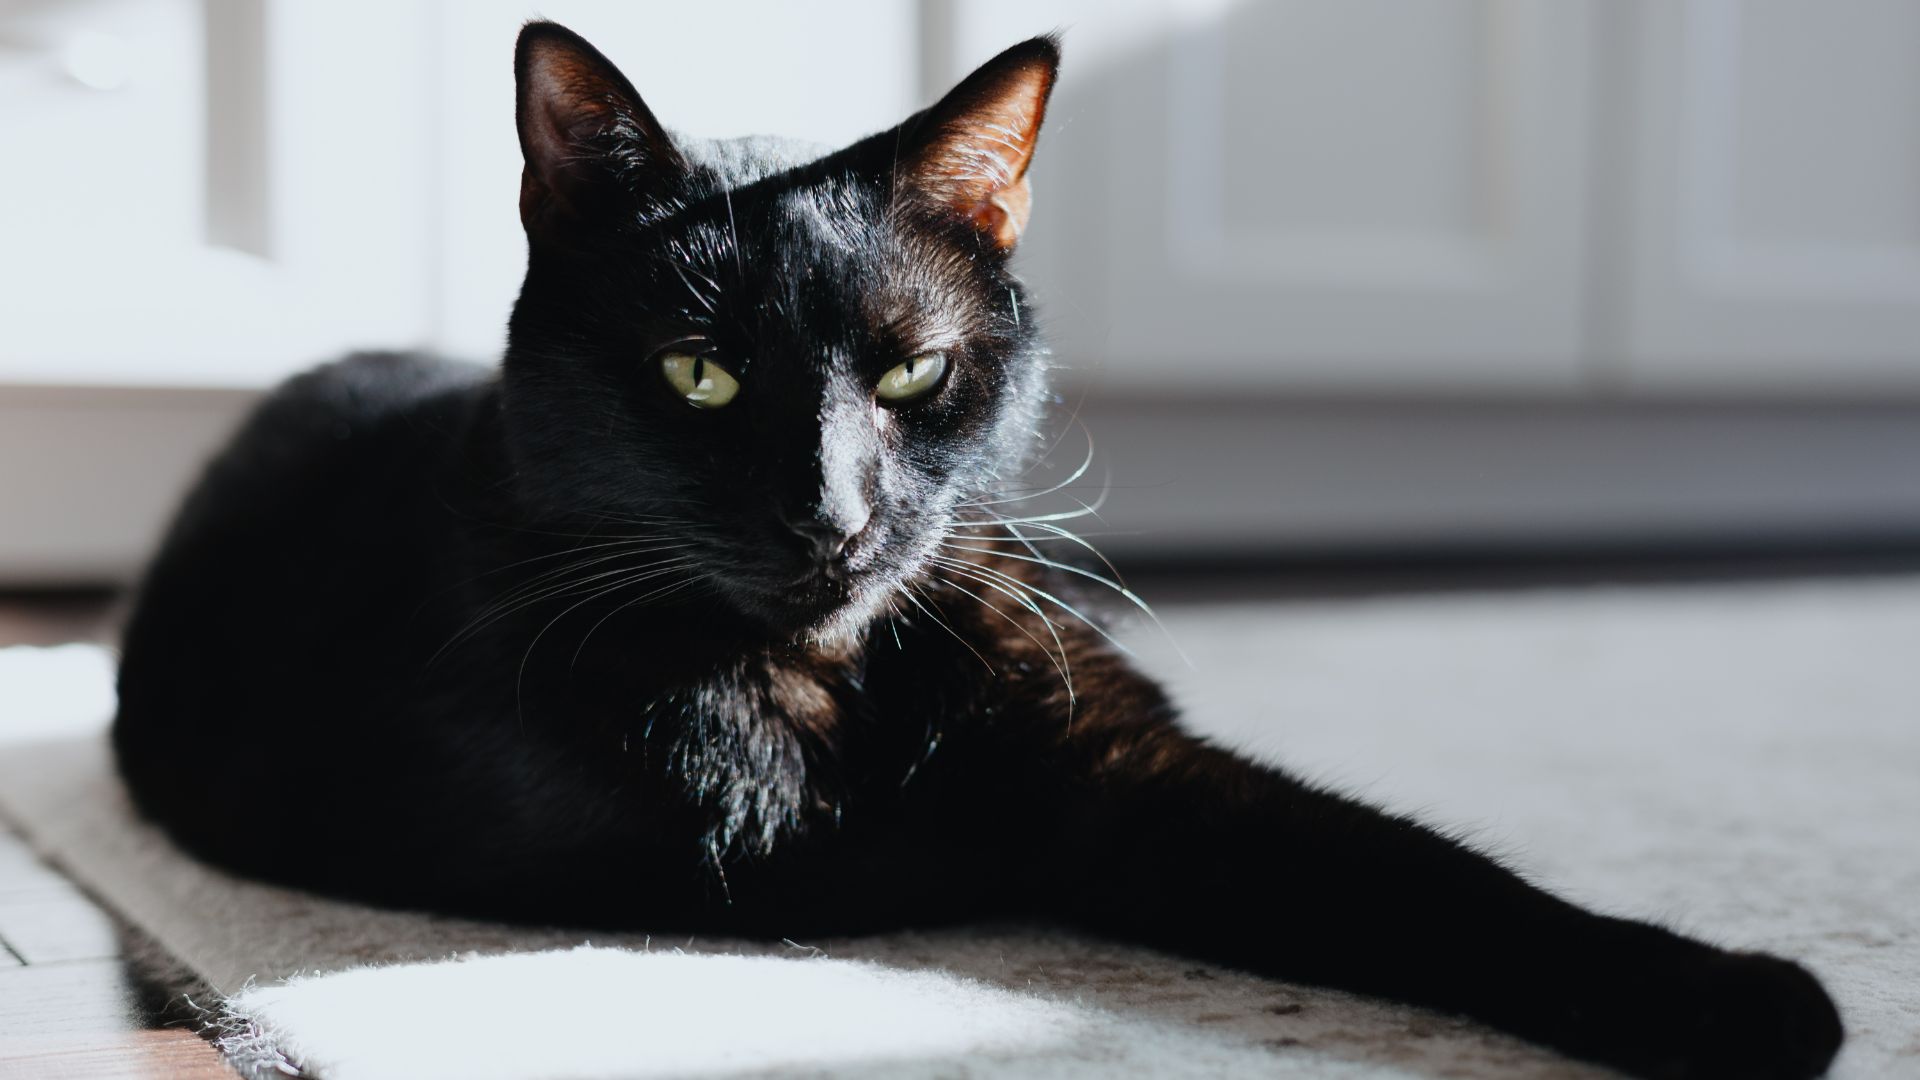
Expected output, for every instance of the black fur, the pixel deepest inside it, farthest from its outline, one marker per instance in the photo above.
(420, 615)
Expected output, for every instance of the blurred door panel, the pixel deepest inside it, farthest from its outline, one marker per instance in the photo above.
(197, 194)
(1306, 194)
(1774, 233)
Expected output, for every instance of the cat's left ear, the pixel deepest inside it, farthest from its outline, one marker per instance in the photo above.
(591, 146)
(969, 153)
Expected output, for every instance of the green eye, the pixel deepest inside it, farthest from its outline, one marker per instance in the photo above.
(703, 383)
(913, 378)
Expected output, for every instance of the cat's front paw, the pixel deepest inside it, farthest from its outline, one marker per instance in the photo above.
(1743, 1016)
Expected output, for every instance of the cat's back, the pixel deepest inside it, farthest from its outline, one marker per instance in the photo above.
(327, 419)
(283, 581)
(291, 559)
(326, 474)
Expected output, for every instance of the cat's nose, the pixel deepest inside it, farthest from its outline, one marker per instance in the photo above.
(827, 537)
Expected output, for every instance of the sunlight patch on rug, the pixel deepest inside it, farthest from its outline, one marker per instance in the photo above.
(58, 690)
(612, 1012)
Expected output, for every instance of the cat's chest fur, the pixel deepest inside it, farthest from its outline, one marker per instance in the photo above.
(766, 745)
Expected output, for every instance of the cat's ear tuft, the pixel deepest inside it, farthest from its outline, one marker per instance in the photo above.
(971, 151)
(587, 138)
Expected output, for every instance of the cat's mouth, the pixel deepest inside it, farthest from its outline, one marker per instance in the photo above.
(821, 601)
(812, 606)
(799, 594)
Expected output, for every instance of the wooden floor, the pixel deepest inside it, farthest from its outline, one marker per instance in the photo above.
(80, 995)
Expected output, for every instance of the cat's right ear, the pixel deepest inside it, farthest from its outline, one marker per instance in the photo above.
(592, 149)
(968, 154)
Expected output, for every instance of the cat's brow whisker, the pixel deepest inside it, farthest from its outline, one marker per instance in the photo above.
(733, 229)
(706, 302)
(685, 265)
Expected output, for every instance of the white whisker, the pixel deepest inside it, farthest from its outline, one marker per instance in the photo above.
(1061, 662)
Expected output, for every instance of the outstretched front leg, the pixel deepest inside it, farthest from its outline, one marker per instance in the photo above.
(1155, 836)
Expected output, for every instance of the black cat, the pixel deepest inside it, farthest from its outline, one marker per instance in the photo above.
(700, 614)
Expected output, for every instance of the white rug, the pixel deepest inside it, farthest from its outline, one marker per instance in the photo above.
(1741, 761)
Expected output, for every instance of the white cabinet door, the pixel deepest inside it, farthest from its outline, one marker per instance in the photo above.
(1297, 194)
(1774, 232)
(214, 193)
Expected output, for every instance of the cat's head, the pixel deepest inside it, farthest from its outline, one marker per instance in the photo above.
(798, 363)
